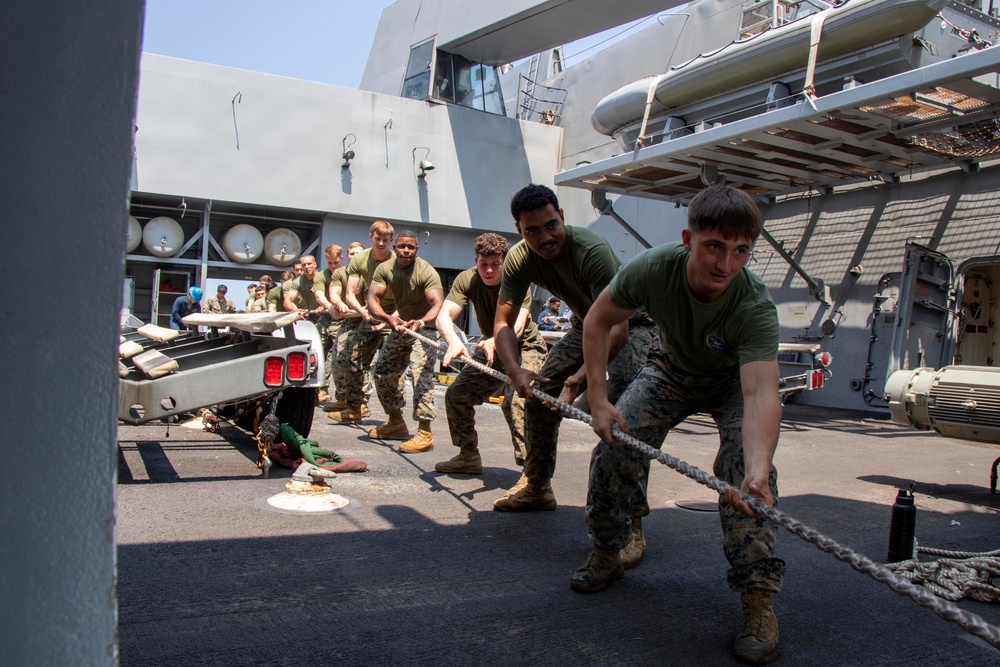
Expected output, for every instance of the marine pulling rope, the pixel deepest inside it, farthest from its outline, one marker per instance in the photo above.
(946, 609)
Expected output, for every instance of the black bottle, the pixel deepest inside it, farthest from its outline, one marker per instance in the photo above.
(904, 520)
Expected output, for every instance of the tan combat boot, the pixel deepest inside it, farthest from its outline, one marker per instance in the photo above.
(394, 428)
(634, 551)
(323, 396)
(520, 484)
(365, 412)
(603, 565)
(335, 406)
(535, 496)
(757, 642)
(349, 415)
(467, 461)
(423, 441)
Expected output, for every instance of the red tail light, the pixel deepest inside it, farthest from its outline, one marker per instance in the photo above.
(817, 380)
(824, 358)
(274, 371)
(297, 366)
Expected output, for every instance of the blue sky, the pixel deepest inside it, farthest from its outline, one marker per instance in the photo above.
(316, 40)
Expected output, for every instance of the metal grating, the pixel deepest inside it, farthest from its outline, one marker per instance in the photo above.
(906, 110)
(978, 141)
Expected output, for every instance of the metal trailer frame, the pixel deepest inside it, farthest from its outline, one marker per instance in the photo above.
(219, 368)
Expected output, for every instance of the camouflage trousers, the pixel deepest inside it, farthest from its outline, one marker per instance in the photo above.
(328, 329)
(400, 352)
(342, 361)
(541, 425)
(472, 387)
(660, 398)
(362, 344)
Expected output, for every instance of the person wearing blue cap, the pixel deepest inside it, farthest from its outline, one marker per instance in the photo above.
(184, 306)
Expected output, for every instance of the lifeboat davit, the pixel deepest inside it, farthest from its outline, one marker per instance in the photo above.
(849, 27)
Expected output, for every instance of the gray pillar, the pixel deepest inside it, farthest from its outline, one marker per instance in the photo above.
(69, 79)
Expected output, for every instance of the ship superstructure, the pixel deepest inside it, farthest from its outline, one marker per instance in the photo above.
(866, 129)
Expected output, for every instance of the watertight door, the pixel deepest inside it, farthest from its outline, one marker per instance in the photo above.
(974, 346)
(977, 334)
(925, 322)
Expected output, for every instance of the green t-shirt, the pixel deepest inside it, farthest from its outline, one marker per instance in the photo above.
(408, 288)
(469, 286)
(363, 266)
(274, 297)
(699, 338)
(321, 282)
(305, 297)
(338, 279)
(578, 277)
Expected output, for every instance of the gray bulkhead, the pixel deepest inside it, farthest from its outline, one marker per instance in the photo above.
(954, 215)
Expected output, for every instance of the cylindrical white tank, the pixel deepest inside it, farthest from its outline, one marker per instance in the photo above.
(956, 401)
(243, 244)
(133, 235)
(282, 247)
(162, 237)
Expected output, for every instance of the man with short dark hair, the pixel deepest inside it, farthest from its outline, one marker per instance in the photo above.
(719, 358)
(259, 304)
(220, 304)
(549, 319)
(298, 295)
(480, 286)
(575, 265)
(251, 296)
(417, 296)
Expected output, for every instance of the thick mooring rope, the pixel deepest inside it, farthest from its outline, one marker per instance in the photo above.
(956, 574)
(971, 623)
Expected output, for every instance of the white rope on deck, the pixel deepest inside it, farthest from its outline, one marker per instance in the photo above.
(946, 609)
(956, 574)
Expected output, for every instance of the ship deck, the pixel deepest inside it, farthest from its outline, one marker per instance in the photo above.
(418, 569)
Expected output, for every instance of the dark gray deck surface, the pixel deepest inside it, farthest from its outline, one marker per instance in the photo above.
(418, 569)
